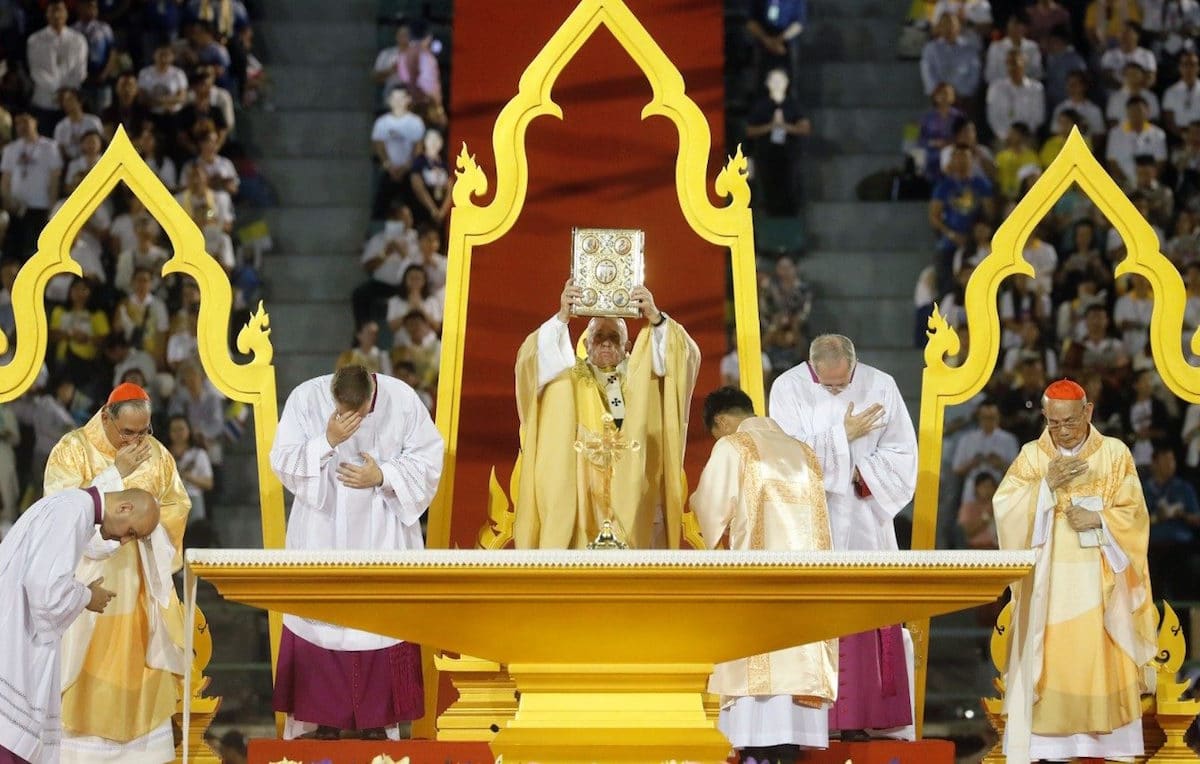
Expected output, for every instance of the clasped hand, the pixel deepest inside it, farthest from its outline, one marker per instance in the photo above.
(131, 456)
(365, 475)
(1082, 519)
(859, 425)
(100, 596)
(1064, 469)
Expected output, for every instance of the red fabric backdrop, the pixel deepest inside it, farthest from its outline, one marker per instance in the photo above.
(600, 166)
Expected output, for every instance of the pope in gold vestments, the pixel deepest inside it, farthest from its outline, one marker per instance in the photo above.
(558, 502)
(1083, 626)
(122, 670)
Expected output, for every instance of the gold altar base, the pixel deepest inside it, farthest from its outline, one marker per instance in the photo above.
(204, 710)
(487, 699)
(1173, 726)
(611, 712)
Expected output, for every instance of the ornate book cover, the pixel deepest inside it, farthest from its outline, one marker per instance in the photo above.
(607, 263)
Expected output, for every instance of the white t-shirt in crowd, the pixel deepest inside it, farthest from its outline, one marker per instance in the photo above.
(158, 84)
(30, 165)
(399, 135)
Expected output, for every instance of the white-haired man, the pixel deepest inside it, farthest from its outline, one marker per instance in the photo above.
(647, 392)
(1084, 629)
(853, 416)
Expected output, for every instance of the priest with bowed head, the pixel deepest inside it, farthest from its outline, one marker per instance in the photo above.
(1084, 625)
(118, 704)
(762, 489)
(853, 416)
(646, 390)
(41, 596)
(363, 459)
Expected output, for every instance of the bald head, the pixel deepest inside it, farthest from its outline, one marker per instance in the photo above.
(129, 515)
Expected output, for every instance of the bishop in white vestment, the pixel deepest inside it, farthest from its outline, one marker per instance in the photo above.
(40, 597)
(762, 489)
(854, 418)
(363, 459)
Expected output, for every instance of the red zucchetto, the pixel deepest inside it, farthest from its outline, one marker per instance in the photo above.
(127, 391)
(1065, 390)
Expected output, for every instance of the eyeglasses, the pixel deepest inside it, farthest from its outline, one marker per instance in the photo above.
(135, 434)
(1069, 423)
(838, 388)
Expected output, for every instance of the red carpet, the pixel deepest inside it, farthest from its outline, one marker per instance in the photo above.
(600, 166)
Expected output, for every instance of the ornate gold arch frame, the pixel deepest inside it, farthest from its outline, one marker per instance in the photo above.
(252, 383)
(943, 385)
(472, 225)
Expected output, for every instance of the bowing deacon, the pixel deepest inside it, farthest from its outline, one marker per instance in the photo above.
(762, 489)
(40, 597)
(363, 459)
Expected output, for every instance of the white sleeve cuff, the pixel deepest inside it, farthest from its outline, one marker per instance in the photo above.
(1117, 559)
(658, 346)
(1043, 515)
(555, 354)
(393, 478)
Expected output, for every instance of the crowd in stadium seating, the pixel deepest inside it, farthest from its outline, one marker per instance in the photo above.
(1007, 82)
(398, 307)
(764, 65)
(173, 76)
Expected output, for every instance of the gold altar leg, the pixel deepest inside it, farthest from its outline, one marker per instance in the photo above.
(611, 712)
(487, 699)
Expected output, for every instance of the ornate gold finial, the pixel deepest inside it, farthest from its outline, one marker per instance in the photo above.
(255, 338)
(1172, 713)
(603, 450)
(469, 179)
(993, 708)
(731, 181)
(943, 340)
(203, 708)
(499, 530)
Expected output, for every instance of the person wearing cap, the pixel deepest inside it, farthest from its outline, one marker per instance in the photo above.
(1083, 625)
(41, 596)
(121, 670)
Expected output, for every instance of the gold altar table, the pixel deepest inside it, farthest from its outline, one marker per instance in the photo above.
(610, 650)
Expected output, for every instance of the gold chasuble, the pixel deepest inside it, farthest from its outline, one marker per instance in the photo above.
(558, 490)
(122, 669)
(1083, 626)
(766, 490)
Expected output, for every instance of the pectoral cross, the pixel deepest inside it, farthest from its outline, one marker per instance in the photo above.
(603, 450)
